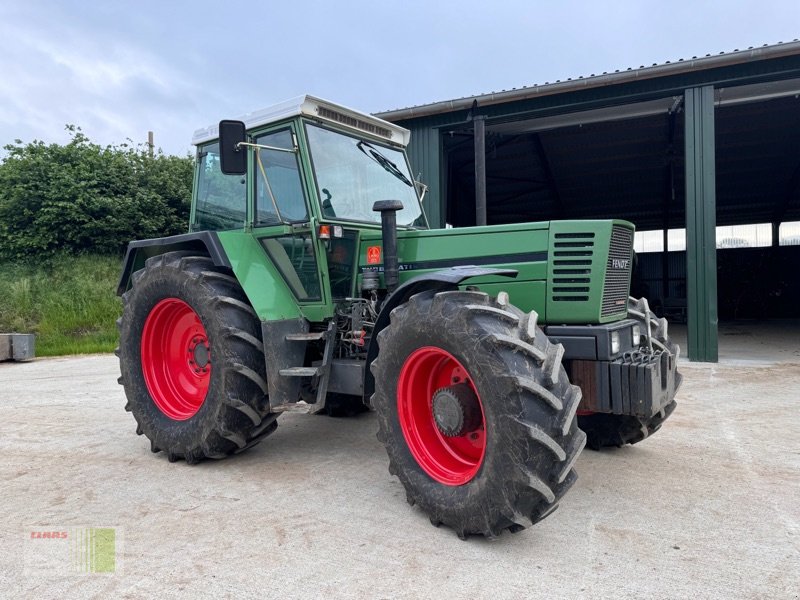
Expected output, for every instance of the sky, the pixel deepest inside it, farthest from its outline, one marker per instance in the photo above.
(119, 69)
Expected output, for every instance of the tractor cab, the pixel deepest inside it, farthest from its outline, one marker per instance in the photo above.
(310, 161)
(303, 177)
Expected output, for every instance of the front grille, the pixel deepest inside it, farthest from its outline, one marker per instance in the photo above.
(572, 266)
(618, 272)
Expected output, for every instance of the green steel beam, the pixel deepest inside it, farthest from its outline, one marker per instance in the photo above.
(701, 220)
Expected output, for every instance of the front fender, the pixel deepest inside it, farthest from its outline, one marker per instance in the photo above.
(438, 281)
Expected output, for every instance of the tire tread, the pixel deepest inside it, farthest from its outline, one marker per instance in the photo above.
(242, 419)
(531, 372)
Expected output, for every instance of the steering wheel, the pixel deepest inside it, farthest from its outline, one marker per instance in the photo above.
(327, 206)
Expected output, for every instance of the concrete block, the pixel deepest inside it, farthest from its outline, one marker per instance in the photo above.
(5, 346)
(17, 346)
(23, 346)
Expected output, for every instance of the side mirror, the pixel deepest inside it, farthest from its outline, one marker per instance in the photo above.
(232, 156)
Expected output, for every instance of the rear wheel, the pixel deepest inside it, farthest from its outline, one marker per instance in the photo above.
(476, 412)
(604, 430)
(192, 361)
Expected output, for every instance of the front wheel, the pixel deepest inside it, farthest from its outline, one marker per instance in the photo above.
(475, 411)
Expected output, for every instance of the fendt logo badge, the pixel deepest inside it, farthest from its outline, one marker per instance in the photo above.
(620, 263)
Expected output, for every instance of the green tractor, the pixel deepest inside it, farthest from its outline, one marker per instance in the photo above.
(310, 282)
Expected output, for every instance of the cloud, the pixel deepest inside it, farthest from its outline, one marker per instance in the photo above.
(54, 74)
(119, 69)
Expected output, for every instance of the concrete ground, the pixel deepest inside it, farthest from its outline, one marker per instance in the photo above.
(707, 508)
(747, 342)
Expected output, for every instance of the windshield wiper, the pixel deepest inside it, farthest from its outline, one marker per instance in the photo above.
(379, 158)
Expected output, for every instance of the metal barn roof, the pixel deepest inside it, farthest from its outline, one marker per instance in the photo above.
(678, 67)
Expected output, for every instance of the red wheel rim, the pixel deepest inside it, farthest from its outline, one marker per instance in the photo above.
(448, 460)
(176, 359)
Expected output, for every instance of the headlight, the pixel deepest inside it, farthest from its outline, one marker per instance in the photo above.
(614, 342)
(637, 335)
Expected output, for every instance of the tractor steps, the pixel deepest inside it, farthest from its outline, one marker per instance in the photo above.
(294, 407)
(300, 372)
(319, 374)
(306, 337)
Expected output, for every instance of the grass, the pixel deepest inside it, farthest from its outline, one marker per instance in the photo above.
(69, 303)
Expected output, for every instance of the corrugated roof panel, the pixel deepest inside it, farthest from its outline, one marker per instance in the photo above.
(709, 61)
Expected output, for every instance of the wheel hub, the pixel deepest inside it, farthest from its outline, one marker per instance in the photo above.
(456, 410)
(200, 354)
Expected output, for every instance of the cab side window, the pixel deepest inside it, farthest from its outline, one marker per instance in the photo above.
(279, 188)
(221, 201)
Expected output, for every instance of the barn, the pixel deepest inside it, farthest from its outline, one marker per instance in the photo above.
(702, 154)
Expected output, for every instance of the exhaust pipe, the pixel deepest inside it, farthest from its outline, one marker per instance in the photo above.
(388, 210)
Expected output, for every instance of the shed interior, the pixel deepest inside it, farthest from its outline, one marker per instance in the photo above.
(627, 161)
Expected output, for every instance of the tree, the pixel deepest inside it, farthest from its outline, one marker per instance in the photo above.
(82, 197)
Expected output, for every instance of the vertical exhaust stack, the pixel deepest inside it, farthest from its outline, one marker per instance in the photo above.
(388, 210)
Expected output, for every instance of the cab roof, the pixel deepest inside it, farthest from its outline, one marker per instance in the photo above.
(316, 108)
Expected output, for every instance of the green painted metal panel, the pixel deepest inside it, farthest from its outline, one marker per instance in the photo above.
(262, 283)
(525, 247)
(425, 157)
(701, 249)
(525, 295)
(522, 247)
(577, 268)
(421, 251)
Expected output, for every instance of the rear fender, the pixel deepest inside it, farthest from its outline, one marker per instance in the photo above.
(203, 242)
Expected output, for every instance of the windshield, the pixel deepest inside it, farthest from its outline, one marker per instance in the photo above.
(353, 174)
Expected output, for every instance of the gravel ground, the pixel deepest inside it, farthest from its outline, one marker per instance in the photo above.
(707, 508)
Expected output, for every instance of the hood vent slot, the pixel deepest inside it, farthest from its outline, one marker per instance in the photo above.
(572, 266)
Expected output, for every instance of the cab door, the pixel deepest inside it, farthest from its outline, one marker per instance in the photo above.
(283, 223)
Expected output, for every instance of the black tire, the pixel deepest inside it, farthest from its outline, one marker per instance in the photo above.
(234, 414)
(340, 406)
(532, 439)
(607, 430)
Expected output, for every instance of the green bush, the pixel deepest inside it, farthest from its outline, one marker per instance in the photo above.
(69, 302)
(82, 197)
